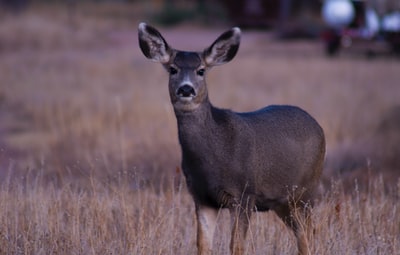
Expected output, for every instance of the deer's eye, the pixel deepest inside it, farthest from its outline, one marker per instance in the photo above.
(172, 70)
(201, 72)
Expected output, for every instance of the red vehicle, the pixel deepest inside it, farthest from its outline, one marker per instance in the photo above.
(353, 24)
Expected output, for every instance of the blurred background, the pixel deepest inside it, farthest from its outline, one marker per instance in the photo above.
(78, 100)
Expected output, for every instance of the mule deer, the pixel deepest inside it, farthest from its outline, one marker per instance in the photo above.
(270, 159)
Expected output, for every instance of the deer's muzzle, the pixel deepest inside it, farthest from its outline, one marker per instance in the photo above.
(186, 91)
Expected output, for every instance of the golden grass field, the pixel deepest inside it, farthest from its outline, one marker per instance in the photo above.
(89, 156)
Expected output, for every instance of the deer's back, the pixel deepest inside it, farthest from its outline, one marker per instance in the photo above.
(275, 124)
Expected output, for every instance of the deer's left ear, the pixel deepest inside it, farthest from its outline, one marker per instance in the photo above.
(153, 45)
(224, 49)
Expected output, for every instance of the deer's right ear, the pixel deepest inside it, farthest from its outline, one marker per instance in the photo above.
(153, 45)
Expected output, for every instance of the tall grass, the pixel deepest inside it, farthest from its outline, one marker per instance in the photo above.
(104, 219)
(43, 219)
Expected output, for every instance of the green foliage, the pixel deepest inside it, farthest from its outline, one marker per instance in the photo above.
(171, 15)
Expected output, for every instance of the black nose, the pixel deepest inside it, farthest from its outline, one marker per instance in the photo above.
(186, 91)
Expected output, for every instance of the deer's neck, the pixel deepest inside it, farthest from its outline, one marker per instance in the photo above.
(197, 126)
(202, 115)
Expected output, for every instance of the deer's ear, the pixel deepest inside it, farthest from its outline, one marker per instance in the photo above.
(153, 45)
(224, 48)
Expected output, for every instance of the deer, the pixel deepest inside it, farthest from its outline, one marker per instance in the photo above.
(266, 160)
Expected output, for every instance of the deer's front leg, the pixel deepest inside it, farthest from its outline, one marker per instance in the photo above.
(240, 221)
(206, 222)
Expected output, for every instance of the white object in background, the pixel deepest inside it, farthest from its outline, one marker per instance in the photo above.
(391, 22)
(338, 13)
(372, 21)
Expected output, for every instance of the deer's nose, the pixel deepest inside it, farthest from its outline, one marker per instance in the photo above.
(186, 91)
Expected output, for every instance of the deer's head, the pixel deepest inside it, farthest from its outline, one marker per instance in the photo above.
(187, 70)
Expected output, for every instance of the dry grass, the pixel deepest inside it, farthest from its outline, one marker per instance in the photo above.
(104, 219)
(88, 147)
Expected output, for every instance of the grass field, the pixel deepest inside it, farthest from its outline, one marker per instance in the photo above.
(89, 157)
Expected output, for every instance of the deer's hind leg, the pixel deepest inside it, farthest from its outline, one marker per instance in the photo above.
(298, 219)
